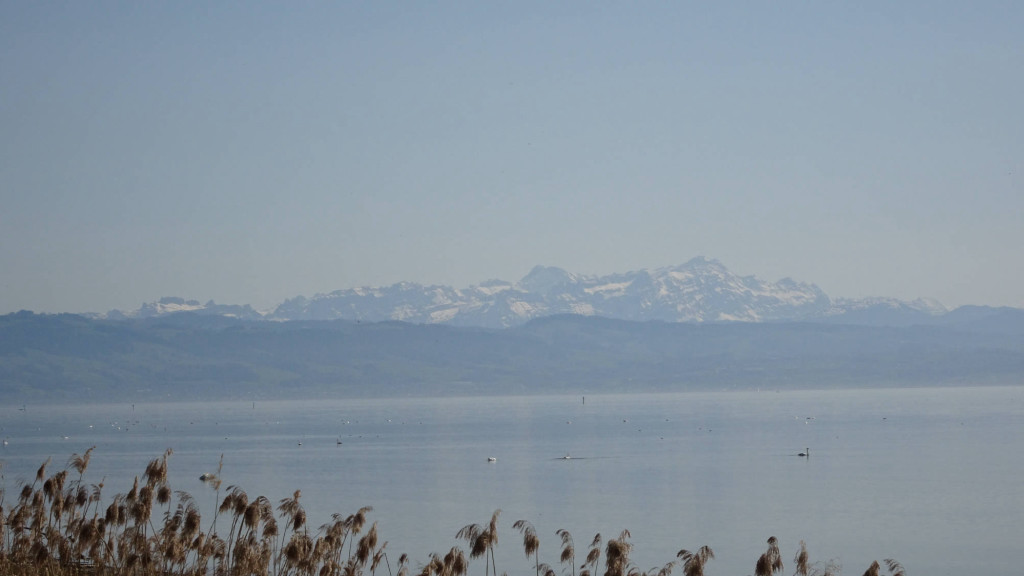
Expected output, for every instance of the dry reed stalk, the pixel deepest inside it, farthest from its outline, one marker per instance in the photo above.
(694, 562)
(568, 555)
(531, 543)
(771, 561)
(593, 557)
(802, 561)
(895, 568)
(57, 527)
(616, 555)
(475, 536)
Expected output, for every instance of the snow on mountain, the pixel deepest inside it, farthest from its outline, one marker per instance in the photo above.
(887, 311)
(923, 305)
(172, 305)
(701, 290)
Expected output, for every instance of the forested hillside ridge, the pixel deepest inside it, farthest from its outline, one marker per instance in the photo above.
(64, 525)
(187, 356)
(700, 290)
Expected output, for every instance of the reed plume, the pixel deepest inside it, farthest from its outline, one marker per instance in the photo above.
(482, 541)
(616, 555)
(531, 543)
(895, 568)
(41, 473)
(476, 538)
(693, 562)
(593, 557)
(451, 564)
(771, 561)
(568, 549)
(378, 556)
(80, 464)
(296, 518)
(367, 545)
(355, 522)
(802, 561)
(492, 538)
(403, 565)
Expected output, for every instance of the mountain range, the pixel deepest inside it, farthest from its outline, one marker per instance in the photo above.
(693, 326)
(701, 290)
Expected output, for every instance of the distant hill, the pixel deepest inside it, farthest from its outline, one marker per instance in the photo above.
(187, 355)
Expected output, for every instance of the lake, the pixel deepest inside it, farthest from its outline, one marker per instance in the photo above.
(933, 477)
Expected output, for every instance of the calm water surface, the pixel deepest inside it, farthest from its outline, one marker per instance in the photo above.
(931, 477)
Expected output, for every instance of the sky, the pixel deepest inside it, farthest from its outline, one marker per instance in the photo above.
(249, 152)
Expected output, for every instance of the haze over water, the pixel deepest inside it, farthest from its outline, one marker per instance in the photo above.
(910, 474)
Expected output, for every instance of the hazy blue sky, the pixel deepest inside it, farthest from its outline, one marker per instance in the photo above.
(249, 152)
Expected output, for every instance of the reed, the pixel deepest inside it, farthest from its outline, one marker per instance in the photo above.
(56, 525)
(616, 555)
(568, 555)
(693, 562)
(482, 540)
(531, 543)
(771, 561)
(589, 568)
(802, 561)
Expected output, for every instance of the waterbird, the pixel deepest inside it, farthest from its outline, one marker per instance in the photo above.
(492, 459)
(806, 453)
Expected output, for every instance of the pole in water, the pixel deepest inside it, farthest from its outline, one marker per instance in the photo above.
(584, 399)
